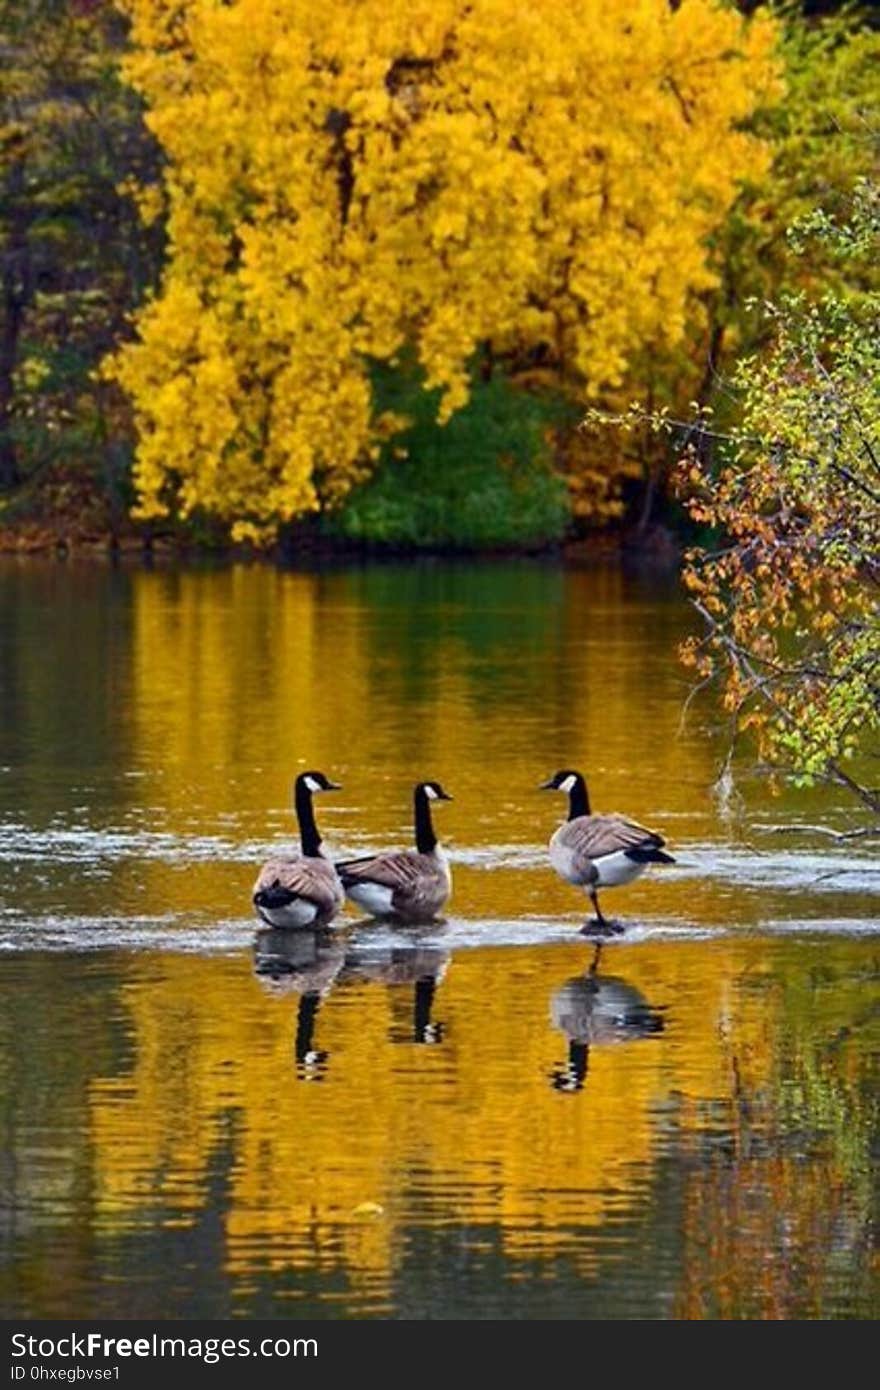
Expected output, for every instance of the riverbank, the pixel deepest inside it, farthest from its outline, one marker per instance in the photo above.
(67, 516)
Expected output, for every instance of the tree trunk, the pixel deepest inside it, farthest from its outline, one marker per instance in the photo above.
(15, 289)
(12, 317)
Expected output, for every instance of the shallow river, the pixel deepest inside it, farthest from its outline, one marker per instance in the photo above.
(481, 1118)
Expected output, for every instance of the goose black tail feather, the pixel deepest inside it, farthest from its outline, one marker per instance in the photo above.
(649, 856)
(345, 864)
(273, 897)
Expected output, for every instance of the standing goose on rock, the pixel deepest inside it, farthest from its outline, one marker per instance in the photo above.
(412, 884)
(301, 890)
(599, 851)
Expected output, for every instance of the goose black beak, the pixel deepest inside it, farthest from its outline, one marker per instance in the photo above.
(547, 786)
(333, 786)
(446, 797)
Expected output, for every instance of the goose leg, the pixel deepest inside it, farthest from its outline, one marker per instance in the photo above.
(602, 926)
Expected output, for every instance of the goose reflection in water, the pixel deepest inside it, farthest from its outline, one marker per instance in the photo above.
(423, 967)
(309, 964)
(304, 963)
(595, 1010)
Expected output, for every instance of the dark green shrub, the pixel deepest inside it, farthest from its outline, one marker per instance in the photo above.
(484, 479)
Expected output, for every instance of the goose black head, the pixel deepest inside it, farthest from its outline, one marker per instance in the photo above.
(433, 791)
(564, 781)
(316, 782)
(575, 788)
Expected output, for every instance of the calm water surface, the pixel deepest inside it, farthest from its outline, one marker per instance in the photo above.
(475, 1119)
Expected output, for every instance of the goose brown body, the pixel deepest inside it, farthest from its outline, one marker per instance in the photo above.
(598, 850)
(298, 892)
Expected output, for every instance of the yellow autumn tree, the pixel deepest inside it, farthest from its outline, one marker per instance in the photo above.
(353, 181)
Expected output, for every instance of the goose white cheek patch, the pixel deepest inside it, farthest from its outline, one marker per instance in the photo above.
(312, 785)
(430, 793)
(567, 785)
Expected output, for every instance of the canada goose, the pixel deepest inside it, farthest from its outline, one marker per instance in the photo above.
(599, 851)
(413, 884)
(302, 890)
(593, 1009)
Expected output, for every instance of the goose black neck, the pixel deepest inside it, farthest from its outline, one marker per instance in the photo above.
(578, 799)
(309, 838)
(426, 840)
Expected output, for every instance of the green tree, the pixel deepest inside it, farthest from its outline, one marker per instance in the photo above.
(821, 134)
(823, 142)
(789, 596)
(74, 254)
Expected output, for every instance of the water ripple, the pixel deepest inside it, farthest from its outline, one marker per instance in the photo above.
(178, 933)
(826, 869)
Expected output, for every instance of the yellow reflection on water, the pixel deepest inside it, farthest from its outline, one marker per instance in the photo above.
(485, 680)
(331, 1173)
